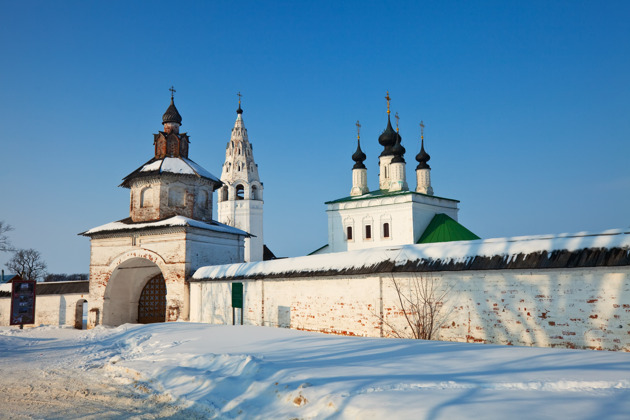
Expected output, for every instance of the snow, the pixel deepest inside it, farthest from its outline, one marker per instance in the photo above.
(172, 221)
(458, 251)
(186, 370)
(178, 166)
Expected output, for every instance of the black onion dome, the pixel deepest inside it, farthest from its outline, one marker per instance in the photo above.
(388, 138)
(358, 157)
(422, 158)
(239, 110)
(171, 115)
(398, 151)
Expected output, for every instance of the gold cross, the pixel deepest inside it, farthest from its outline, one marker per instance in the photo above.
(358, 129)
(388, 99)
(397, 119)
(421, 130)
(239, 98)
(172, 89)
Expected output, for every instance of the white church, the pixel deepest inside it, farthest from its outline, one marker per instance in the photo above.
(169, 260)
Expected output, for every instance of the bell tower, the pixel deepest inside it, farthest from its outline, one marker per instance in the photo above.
(241, 197)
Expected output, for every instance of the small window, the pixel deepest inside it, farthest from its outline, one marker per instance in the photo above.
(368, 232)
(385, 230)
(349, 232)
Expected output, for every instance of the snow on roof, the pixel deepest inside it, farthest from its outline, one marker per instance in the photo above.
(451, 252)
(126, 224)
(177, 166)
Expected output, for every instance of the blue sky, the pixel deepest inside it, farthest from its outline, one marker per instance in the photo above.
(526, 107)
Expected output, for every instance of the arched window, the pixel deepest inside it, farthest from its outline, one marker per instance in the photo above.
(223, 194)
(255, 193)
(146, 197)
(385, 230)
(349, 233)
(240, 191)
(368, 231)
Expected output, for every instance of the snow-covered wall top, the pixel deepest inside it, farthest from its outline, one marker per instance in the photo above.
(583, 249)
(170, 222)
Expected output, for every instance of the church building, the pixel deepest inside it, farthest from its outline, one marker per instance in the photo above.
(392, 214)
(241, 197)
(139, 265)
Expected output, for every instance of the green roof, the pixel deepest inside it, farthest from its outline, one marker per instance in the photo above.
(445, 229)
(383, 193)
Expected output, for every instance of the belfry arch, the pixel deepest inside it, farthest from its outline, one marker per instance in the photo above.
(125, 288)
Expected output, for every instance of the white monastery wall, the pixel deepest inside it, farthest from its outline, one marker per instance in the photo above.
(575, 308)
(57, 309)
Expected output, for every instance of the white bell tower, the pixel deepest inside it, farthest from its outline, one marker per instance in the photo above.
(241, 198)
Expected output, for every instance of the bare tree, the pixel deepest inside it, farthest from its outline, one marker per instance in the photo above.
(5, 243)
(421, 302)
(27, 263)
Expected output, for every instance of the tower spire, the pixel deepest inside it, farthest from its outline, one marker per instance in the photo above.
(239, 110)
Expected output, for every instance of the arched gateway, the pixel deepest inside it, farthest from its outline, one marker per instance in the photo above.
(139, 265)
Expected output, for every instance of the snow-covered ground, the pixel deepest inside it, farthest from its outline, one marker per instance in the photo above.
(186, 370)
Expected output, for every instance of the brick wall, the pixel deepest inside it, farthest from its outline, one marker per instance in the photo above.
(585, 308)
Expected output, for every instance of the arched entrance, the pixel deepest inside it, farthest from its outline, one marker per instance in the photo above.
(125, 287)
(152, 303)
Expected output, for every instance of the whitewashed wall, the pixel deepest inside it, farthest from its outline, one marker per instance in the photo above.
(49, 309)
(574, 308)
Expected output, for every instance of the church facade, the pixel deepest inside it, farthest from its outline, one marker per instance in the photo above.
(392, 214)
(139, 265)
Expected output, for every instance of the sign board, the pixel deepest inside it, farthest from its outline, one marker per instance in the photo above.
(237, 295)
(22, 302)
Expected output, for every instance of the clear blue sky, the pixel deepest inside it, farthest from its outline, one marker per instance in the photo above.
(526, 107)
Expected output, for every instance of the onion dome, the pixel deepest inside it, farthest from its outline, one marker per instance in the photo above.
(388, 138)
(171, 115)
(398, 151)
(358, 157)
(239, 110)
(422, 158)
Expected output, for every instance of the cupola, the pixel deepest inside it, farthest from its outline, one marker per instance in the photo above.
(359, 171)
(423, 170)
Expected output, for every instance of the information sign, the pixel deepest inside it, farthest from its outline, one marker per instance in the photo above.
(22, 302)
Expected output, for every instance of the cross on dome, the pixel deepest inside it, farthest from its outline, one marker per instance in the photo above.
(172, 89)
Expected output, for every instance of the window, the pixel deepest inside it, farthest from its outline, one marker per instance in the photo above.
(239, 192)
(385, 230)
(349, 233)
(368, 232)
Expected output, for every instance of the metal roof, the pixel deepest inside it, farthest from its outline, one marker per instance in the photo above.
(443, 228)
